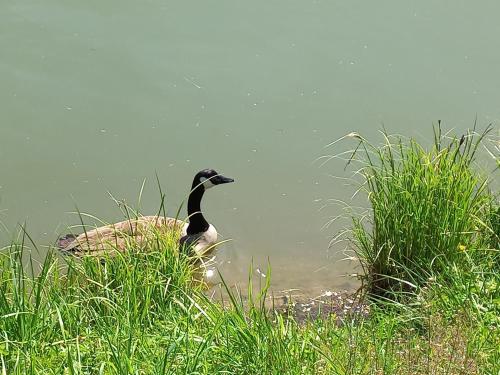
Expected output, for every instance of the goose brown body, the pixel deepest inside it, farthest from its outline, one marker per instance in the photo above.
(117, 236)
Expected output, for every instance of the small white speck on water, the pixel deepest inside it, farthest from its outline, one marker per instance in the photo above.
(192, 82)
(228, 262)
(210, 273)
(301, 94)
(197, 125)
(188, 160)
(103, 130)
(365, 46)
(248, 160)
(352, 62)
(314, 92)
(170, 165)
(316, 183)
(283, 194)
(69, 108)
(254, 150)
(203, 106)
(255, 104)
(235, 208)
(315, 130)
(248, 94)
(226, 135)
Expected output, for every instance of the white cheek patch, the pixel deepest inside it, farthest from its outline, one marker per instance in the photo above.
(207, 184)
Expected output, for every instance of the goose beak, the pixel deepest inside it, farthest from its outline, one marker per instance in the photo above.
(224, 180)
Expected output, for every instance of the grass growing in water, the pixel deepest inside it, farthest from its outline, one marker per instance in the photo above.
(141, 313)
(431, 211)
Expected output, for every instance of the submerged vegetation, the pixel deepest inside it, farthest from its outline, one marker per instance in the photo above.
(431, 262)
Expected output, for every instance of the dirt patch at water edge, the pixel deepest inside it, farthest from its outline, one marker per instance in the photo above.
(303, 307)
(341, 305)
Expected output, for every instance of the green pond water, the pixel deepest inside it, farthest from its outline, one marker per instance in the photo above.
(97, 96)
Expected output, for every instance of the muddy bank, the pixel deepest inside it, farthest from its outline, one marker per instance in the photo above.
(303, 307)
(341, 305)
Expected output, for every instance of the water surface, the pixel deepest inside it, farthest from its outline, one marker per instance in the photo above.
(98, 96)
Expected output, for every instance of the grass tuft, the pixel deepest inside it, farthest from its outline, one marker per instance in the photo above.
(431, 211)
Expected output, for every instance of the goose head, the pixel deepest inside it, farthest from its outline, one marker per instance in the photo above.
(208, 178)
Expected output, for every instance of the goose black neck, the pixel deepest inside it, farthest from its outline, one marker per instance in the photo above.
(197, 222)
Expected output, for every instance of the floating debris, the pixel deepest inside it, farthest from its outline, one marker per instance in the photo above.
(260, 272)
(342, 306)
(210, 273)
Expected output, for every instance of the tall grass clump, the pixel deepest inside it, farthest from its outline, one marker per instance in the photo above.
(76, 314)
(431, 211)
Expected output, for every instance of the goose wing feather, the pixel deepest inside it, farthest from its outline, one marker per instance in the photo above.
(116, 236)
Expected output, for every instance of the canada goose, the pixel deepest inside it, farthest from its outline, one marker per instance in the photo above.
(198, 233)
